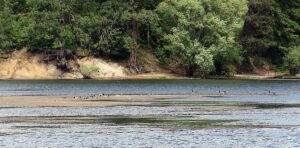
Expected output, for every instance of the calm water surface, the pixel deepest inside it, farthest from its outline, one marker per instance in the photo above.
(257, 127)
(77, 87)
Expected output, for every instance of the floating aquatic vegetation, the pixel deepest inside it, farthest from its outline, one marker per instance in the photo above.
(271, 105)
(113, 120)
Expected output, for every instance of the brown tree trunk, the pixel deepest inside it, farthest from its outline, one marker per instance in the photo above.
(133, 52)
(190, 70)
(148, 35)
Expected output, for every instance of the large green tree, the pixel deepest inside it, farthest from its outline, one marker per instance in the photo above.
(196, 31)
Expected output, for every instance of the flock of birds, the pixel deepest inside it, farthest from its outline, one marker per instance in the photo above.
(222, 93)
(94, 96)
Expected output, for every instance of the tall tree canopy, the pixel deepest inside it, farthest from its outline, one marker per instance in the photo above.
(103, 27)
(197, 31)
(271, 28)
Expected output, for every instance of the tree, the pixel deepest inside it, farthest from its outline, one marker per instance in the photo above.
(211, 25)
(6, 20)
(134, 29)
(271, 28)
(130, 22)
(133, 15)
(293, 60)
(192, 54)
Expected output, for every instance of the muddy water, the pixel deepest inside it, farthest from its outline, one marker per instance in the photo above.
(250, 118)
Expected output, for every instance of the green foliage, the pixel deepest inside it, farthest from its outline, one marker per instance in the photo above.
(271, 28)
(293, 60)
(226, 60)
(188, 52)
(199, 35)
(1, 5)
(6, 29)
(211, 26)
(89, 70)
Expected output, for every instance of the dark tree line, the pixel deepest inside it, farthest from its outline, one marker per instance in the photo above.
(272, 32)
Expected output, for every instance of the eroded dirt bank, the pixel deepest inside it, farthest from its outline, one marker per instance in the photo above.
(24, 65)
(21, 64)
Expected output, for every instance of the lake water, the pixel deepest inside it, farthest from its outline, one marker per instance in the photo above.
(76, 87)
(240, 121)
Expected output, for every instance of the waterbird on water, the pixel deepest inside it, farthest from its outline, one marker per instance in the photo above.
(271, 93)
(222, 92)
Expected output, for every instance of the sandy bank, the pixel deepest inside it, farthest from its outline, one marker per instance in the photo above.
(53, 101)
(70, 101)
(98, 101)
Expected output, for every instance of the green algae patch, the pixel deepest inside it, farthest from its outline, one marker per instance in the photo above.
(202, 123)
(157, 122)
(132, 120)
(232, 104)
(114, 120)
(189, 103)
(271, 105)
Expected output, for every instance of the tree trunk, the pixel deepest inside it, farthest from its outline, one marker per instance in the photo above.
(190, 70)
(133, 52)
(148, 35)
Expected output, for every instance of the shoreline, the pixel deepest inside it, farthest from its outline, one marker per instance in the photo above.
(168, 76)
(100, 101)
(23, 65)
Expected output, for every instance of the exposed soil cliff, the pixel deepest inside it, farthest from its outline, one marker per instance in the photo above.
(21, 64)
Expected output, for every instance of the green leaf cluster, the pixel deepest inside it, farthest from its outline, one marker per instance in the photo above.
(203, 34)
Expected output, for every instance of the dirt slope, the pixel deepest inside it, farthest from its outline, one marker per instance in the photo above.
(24, 65)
